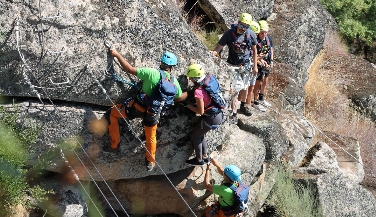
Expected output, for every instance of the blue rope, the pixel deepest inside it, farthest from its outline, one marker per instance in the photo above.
(118, 78)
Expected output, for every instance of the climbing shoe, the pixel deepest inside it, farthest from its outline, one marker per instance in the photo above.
(111, 150)
(206, 160)
(265, 103)
(259, 107)
(245, 110)
(149, 165)
(195, 162)
(233, 119)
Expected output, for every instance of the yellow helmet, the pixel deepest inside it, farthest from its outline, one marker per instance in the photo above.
(245, 18)
(195, 71)
(264, 26)
(255, 27)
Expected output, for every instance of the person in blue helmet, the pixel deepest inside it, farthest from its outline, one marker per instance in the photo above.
(231, 176)
(137, 107)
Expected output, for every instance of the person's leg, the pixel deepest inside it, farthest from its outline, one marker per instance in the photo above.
(262, 91)
(151, 143)
(113, 127)
(199, 142)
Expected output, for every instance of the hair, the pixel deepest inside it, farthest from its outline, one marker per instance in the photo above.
(164, 66)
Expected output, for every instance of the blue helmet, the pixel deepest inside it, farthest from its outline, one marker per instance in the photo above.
(169, 59)
(233, 172)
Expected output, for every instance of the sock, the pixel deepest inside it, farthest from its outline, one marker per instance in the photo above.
(242, 104)
(261, 96)
(234, 114)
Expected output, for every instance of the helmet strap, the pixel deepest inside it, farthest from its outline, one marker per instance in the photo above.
(201, 78)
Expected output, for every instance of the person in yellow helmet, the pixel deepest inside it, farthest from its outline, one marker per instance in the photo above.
(266, 56)
(241, 41)
(205, 105)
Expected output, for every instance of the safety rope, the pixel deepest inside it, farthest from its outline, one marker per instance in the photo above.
(78, 180)
(142, 143)
(28, 68)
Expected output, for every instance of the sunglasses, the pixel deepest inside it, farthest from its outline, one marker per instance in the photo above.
(241, 25)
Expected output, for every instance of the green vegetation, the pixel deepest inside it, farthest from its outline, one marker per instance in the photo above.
(356, 18)
(15, 141)
(291, 198)
(209, 39)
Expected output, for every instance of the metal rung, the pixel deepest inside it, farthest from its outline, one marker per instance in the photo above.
(63, 49)
(59, 83)
(51, 17)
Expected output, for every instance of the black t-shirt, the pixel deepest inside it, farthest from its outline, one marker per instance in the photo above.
(239, 45)
(264, 47)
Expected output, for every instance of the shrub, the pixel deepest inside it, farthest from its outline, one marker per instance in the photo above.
(14, 143)
(292, 198)
(355, 18)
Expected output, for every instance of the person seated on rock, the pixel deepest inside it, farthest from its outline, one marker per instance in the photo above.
(241, 42)
(206, 106)
(265, 64)
(141, 106)
(231, 176)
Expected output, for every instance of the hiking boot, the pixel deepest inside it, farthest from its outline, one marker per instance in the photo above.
(110, 149)
(206, 160)
(245, 110)
(259, 107)
(149, 165)
(233, 120)
(265, 103)
(195, 162)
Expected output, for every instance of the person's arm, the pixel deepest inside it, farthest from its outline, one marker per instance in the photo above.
(199, 108)
(127, 67)
(182, 97)
(207, 184)
(217, 50)
(254, 57)
(219, 167)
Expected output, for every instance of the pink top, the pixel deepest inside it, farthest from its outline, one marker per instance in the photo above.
(200, 93)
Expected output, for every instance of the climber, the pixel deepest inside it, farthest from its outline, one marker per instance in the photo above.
(140, 106)
(209, 102)
(265, 51)
(227, 201)
(241, 41)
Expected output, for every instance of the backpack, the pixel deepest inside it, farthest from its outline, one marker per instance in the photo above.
(217, 102)
(163, 95)
(241, 193)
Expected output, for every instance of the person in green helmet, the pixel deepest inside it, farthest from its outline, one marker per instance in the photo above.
(241, 42)
(265, 64)
(211, 115)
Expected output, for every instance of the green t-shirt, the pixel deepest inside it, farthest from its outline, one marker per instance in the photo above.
(151, 77)
(226, 195)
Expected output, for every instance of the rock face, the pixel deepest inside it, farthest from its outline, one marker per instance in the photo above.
(54, 62)
(339, 194)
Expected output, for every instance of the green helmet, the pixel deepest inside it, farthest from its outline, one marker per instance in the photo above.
(195, 71)
(264, 26)
(245, 18)
(255, 27)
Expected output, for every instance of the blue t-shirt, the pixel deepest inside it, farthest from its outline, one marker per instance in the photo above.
(240, 48)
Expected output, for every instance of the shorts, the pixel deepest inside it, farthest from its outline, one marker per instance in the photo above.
(243, 78)
(262, 72)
